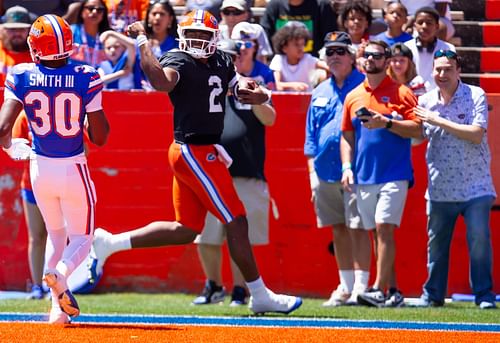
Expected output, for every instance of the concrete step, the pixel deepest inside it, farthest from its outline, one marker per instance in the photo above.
(479, 60)
(473, 9)
(489, 82)
(476, 33)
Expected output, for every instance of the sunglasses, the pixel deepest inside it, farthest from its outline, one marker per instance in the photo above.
(339, 51)
(450, 54)
(232, 12)
(92, 8)
(376, 55)
(244, 43)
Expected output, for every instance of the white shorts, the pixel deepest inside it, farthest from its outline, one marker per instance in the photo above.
(254, 194)
(333, 205)
(65, 193)
(382, 203)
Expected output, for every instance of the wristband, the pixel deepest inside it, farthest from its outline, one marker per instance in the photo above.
(346, 166)
(141, 40)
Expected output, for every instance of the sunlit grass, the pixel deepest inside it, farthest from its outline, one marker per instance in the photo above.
(180, 304)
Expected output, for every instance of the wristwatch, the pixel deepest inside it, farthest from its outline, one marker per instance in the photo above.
(388, 125)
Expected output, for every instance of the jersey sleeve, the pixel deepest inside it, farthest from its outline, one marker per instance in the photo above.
(172, 60)
(94, 92)
(13, 83)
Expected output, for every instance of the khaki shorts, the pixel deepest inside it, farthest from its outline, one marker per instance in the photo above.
(382, 203)
(333, 205)
(255, 197)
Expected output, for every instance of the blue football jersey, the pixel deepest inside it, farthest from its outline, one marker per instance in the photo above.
(56, 101)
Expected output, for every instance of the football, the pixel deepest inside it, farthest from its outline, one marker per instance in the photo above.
(247, 83)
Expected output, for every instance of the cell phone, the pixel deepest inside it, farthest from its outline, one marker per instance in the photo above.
(363, 111)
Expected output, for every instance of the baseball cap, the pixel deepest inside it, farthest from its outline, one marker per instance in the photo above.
(245, 30)
(239, 4)
(337, 38)
(17, 17)
(400, 49)
(228, 46)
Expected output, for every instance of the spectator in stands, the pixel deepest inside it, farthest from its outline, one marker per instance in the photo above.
(68, 9)
(13, 34)
(244, 139)
(37, 233)
(402, 69)
(161, 27)
(382, 179)
(334, 207)
(356, 18)
(426, 43)
(395, 15)
(317, 15)
(121, 13)
(455, 117)
(247, 34)
(232, 13)
(446, 28)
(92, 20)
(294, 69)
(117, 70)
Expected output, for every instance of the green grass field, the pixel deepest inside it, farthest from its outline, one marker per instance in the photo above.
(180, 304)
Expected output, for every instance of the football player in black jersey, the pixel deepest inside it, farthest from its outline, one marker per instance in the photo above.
(197, 77)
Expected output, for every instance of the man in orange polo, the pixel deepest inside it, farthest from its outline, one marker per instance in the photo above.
(376, 156)
(14, 32)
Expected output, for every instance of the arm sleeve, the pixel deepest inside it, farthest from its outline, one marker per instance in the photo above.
(346, 124)
(310, 145)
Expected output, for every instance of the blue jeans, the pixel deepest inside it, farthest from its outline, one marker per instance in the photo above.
(442, 217)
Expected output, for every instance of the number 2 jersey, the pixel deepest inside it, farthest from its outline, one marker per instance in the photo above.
(199, 97)
(56, 101)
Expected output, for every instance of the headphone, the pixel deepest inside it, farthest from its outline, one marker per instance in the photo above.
(429, 48)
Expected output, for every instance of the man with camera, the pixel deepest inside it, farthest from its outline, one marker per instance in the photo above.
(378, 117)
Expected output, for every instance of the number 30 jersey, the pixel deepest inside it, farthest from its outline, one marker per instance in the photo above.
(56, 101)
(199, 98)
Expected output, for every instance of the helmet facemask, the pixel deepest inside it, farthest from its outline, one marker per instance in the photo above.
(197, 47)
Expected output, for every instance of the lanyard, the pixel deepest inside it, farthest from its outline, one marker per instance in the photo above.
(92, 60)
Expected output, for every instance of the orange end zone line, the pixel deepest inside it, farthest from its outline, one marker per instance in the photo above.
(103, 333)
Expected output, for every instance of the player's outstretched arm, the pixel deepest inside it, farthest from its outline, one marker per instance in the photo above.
(8, 114)
(162, 79)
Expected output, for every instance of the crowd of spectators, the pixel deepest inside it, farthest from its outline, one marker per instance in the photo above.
(295, 46)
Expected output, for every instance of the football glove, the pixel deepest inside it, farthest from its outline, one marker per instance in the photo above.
(19, 149)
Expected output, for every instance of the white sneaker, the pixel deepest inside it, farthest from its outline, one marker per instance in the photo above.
(99, 252)
(57, 316)
(66, 300)
(339, 297)
(278, 303)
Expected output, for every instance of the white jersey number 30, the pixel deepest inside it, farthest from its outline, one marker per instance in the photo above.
(61, 115)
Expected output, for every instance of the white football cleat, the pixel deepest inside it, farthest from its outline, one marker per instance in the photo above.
(57, 316)
(66, 300)
(278, 303)
(99, 252)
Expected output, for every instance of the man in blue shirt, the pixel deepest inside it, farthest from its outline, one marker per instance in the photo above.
(333, 206)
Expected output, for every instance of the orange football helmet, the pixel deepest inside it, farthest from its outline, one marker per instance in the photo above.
(198, 20)
(50, 38)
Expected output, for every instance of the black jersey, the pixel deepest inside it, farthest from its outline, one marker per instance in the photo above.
(199, 97)
(244, 139)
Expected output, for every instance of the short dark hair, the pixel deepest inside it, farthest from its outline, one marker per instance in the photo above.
(428, 10)
(384, 45)
(357, 6)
